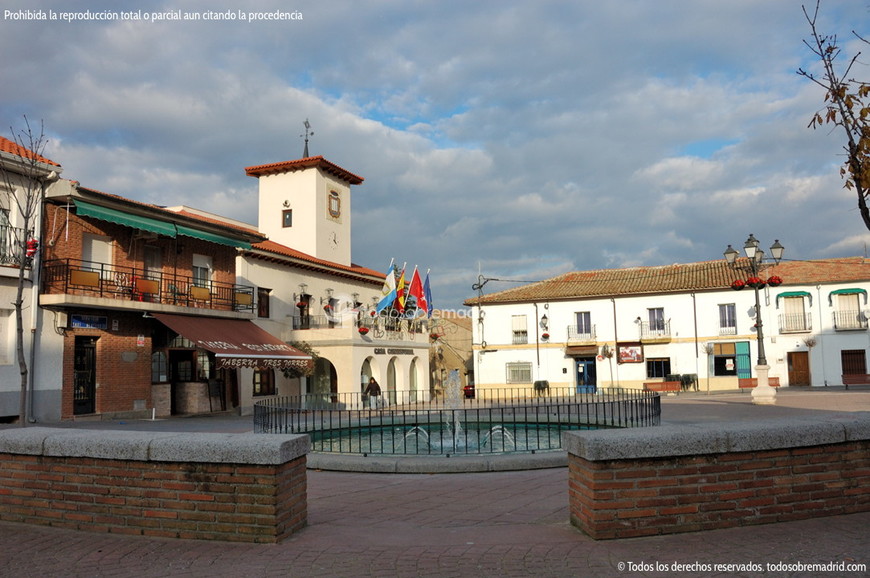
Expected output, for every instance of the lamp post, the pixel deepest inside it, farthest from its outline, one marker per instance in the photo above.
(763, 392)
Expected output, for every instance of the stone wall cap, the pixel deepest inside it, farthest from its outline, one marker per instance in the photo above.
(246, 448)
(713, 438)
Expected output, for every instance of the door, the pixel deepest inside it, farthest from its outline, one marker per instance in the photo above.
(798, 368)
(85, 376)
(744, 362)
(585, 373)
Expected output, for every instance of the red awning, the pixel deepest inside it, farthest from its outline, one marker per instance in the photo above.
(236, 342)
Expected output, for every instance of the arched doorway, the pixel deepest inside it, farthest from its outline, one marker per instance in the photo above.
(392, 379)
(414, 382)
(324, 380)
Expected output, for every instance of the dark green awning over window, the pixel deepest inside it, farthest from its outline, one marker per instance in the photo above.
(85, 209)
(213, 237)
(853, 291)
(795, 294)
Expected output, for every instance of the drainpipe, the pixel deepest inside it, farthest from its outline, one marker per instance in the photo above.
(615, 341)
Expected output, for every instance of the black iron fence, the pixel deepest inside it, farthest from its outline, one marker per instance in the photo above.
(401, 423)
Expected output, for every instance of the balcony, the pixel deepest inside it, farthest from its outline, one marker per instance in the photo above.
(581, 335)
(657, 332)
(850, 321)
(131, 288)
(795, 322)
(10, 245)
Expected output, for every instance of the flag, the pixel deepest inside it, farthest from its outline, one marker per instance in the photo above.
(400, 291)
(427, 296)
(388, 291)
(416, 291)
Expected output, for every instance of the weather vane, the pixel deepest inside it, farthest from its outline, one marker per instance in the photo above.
(308, 133)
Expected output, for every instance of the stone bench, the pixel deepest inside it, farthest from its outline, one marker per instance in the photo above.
(668, 479)
(234, 487)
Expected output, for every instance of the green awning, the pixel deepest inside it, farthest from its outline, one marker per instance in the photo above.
(795, 294)
(85, 209)
(213, 237)
(853, 291)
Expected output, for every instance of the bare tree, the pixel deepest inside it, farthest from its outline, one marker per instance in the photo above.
(24, 174)
(847, 106)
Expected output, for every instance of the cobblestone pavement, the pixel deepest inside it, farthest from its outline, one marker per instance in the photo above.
(488, 524)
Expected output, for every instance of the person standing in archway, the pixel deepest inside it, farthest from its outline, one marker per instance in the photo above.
(373, 390)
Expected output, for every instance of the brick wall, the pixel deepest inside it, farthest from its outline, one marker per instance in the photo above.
(199, 486)
(689, 487)
(123, 367)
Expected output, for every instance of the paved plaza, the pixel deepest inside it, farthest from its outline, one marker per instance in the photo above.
(485, 524)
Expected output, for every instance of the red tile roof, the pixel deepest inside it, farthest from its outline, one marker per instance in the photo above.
(678, 278)
(273, 250)
(299, 164)
(8, 146)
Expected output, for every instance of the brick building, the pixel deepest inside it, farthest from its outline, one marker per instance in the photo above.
(147, 308)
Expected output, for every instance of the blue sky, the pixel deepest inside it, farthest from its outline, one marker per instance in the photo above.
(524, 138)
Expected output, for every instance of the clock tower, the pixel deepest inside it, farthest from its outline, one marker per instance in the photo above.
(305, 205)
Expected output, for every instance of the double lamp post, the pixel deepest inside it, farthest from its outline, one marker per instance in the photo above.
(763, 393)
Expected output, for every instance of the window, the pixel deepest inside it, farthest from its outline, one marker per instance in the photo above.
(584, 323)
(287, 218)
(158, 367)
(724, 359)
(848, 313)
(794, 317)
(264, 381)
(204, 365)
(658, 367)
(334, 204)
(657, 319)
(519, 329)
(727, 319)
(263, 302)
(153, 262)
(96, 252)
(519, 372)
(201, 270)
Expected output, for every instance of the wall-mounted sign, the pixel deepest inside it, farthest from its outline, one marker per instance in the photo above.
(88, 322)
(629, 352)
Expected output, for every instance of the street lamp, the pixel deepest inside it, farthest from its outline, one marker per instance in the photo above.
(763, 392)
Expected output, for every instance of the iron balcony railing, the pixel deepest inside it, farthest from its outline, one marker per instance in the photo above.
(795, 322)
(655, 331)
(581, 334)
(76, 277)
(11, 250)
(400, 423)
(849, 320)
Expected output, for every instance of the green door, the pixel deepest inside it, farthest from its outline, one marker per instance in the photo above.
(744, 362)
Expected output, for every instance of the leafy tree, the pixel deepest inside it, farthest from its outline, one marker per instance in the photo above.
(24, 176)
(846, 105)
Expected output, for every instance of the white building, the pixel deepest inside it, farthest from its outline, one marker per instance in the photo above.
(22, 173)
(637, 326)
(309, 291)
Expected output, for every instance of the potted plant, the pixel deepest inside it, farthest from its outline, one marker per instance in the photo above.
(363, 330)
(755, 282)
(774, 281)
(738, 284)
(545, 336)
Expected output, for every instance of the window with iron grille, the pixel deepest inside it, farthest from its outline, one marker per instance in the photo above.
(519, 372)
(727, 319)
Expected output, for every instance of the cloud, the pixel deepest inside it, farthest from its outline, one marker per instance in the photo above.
(525, 138)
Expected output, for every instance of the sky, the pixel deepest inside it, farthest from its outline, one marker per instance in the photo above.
(514, 140)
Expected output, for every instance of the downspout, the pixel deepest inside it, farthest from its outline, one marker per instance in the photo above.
(615, 340)
(695, 320)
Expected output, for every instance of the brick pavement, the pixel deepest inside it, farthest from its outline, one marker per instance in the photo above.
(488, 524)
